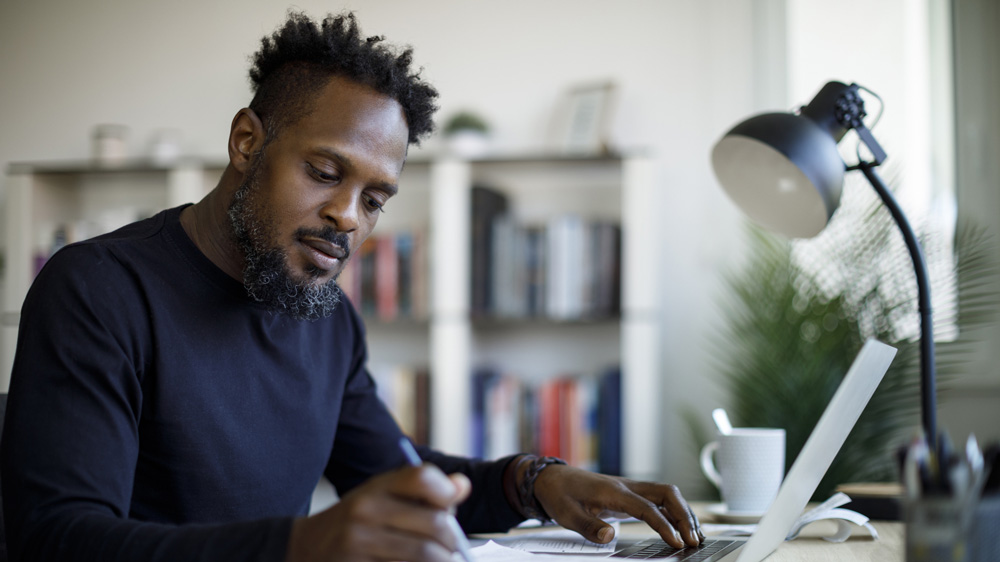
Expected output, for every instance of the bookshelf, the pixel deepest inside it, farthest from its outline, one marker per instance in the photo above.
(619, 189)
(443, 337)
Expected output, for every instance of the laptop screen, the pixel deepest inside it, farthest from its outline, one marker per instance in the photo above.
(822, 446)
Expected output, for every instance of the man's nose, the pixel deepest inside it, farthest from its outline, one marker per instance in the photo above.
(342, 208)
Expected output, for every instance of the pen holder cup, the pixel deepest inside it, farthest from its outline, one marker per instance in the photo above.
(941, 529)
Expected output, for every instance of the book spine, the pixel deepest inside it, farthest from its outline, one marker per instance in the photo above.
(404, 389)
(549, 429)
(420, 291)
(502, 423)
(609, 423)
(422, 401)
(482, 379)
(487, 206)
(404, 274)
(569, 421)
(386, 278)
(366, 263)
(349, 281)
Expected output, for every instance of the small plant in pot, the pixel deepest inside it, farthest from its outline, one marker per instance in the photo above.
(466, 134)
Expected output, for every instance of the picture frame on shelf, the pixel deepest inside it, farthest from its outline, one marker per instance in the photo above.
(582, 120)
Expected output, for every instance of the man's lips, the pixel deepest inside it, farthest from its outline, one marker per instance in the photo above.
(324, 253)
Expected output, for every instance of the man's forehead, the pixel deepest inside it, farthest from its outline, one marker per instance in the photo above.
(351, 107)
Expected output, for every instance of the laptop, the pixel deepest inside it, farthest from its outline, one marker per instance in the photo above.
(799, 484)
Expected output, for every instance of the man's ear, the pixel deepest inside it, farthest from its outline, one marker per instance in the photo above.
(246, 136)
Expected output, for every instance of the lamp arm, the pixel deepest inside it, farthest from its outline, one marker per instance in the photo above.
(927, 376)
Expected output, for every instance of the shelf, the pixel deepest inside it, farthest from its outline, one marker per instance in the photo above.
(132, 165)
(493, 324)
(499, 324)
(523, 157)
(397, 324)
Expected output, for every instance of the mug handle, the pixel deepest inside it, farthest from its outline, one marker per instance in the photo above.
(708, 467)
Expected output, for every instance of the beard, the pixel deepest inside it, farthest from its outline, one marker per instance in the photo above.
(266, 274)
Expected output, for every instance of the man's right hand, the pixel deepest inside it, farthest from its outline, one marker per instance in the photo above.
(399, 515)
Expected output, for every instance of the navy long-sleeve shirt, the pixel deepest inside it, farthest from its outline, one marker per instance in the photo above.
(157, 413)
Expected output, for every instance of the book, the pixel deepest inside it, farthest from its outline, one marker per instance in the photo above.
(502, 423)
(570, 420)
(487, 205)
(534, 271)
(564, 295)
(609, 423)
(366, 265)
(549, 420)
(419, 290)
(482, 381)
(422, 405)
(606, 280)
(508, 265)
(405, 390)
(405, 273)
(386, 278)
(349, 281)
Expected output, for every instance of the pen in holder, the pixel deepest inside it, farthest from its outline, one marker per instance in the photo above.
(951, 511)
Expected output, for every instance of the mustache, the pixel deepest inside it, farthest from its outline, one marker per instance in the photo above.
(330, 235)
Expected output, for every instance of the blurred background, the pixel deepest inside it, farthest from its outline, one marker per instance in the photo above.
(685, 71)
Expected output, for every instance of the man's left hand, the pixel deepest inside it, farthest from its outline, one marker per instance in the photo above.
(577, 499)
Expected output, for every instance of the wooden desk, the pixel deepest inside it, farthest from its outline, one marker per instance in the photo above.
(809, 546)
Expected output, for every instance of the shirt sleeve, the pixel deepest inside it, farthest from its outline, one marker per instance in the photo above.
(367, 444)
(487, 509)
(71, 434)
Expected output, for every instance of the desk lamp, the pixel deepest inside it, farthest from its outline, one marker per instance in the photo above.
(784, 171)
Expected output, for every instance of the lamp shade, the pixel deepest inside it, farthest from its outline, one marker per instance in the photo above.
(783, 171)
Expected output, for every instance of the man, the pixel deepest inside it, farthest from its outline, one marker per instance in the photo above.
(180, 385)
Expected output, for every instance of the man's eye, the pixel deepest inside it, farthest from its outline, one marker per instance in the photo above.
(323, 176)
(374, 204)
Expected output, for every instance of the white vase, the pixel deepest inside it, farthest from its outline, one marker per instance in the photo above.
(468, 144)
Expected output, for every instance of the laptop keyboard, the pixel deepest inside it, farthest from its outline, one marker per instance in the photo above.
(712, 549)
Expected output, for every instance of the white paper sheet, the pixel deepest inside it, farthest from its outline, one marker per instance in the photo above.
(830, 509)
(493, 552)
(560, 541)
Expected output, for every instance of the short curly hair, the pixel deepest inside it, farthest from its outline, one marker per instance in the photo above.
(298, 59)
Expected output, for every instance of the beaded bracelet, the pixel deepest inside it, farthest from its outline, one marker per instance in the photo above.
(526, 491)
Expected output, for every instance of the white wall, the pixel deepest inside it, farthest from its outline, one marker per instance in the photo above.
(687, 70)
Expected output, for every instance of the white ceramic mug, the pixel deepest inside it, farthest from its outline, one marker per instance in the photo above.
(751, 464)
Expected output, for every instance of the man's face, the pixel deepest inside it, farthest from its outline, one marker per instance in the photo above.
(313, 195)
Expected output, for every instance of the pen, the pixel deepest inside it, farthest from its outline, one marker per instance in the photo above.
(463, 543)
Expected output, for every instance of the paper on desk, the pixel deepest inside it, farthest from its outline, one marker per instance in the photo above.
(560, 541)
(830, 509)
(493, 552)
